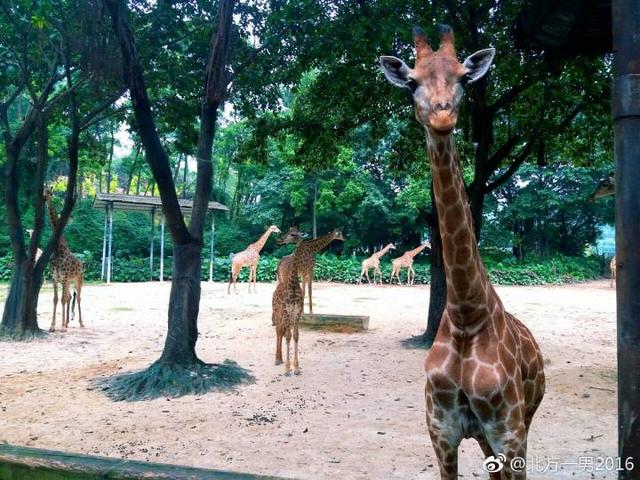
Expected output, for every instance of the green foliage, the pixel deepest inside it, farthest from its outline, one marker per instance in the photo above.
(556, 270)
(504, 270)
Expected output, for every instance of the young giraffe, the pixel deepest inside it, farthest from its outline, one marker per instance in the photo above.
(606, 187)
(485, 375)
(374, 262)
(287, 303)
(249, 257)
(307, 261)
(406, 261)
(66, 269)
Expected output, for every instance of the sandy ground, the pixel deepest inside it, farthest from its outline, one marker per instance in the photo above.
(356, 411)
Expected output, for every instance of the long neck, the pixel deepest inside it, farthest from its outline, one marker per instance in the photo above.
(53, 218)
(382, 252)
(319, 243)
(468, 286)
(416, 251)
(259, 244)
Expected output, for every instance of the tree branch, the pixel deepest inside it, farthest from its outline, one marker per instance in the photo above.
(155, 153)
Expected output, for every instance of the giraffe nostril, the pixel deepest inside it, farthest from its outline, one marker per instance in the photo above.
(441, 107)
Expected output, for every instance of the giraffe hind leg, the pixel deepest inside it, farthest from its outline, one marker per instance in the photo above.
(77, 298)
(55, 305)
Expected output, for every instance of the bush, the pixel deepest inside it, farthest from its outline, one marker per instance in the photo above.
(330, 268)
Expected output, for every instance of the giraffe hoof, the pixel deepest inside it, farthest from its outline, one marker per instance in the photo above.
(51, 330)
(278, 362)
(297, 371)
(287, 373)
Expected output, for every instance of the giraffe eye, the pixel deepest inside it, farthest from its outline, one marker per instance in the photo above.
(411, 85)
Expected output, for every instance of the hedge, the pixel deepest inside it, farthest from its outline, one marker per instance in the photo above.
(331, 268)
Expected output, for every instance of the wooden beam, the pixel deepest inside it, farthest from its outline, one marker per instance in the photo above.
(334, 322)
(24, 462)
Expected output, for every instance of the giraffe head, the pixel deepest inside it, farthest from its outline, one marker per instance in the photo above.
(437, 80)
(605, 188)
(337, 235)
(293, 235)
(391, 246)
(274, 229)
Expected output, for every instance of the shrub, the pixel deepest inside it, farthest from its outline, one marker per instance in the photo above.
(330, 268)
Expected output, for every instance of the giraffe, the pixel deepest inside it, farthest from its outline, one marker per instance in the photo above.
(249, 257)
(406, 261)
(485, 373)
(606, 187)
(307, 261)
(38, 251)
(374, 262)
(66, 269)
(288, 302)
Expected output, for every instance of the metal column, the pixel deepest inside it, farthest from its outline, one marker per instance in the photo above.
(109, 250)
(153, 232)
(213, 234)
(104, 243)
(626, 121)
(162, 249)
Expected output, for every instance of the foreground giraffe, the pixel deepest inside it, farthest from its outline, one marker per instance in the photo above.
(406, 261)
(66, 269)
(485, 375)
(249, 257)
(374, 262)
(307, 261)
(287, 303)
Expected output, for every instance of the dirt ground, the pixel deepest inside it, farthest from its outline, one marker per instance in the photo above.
(357, 410)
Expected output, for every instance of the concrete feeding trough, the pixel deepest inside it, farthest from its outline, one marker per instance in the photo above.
(335, 323)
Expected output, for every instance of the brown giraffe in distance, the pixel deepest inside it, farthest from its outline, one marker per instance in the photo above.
(374, 262)
(485, 375)
(307, 260)
(249, 257)
(287, 303)
(406, 261)
(606, 188)
(66, 269)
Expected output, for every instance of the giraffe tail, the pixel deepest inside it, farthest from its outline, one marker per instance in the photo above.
(73, 306)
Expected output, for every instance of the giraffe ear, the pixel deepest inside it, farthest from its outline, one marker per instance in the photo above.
(396, 71)
(477, 64)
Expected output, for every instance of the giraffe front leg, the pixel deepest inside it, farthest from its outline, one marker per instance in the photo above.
(55, 305)
(279, 334)
(445, 441)
(511, 441)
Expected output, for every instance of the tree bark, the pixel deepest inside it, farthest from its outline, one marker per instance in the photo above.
(438, 288)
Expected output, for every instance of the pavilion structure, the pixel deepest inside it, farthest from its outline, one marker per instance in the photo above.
(144, 203)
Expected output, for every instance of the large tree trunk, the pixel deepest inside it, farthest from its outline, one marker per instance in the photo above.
(20, 316)
(178, 371)
(438, 290)
(184, 304)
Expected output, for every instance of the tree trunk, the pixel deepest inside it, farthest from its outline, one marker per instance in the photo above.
(20, 316)
(184, 303)
(315, 203)
(438, 288)
(110, 161)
